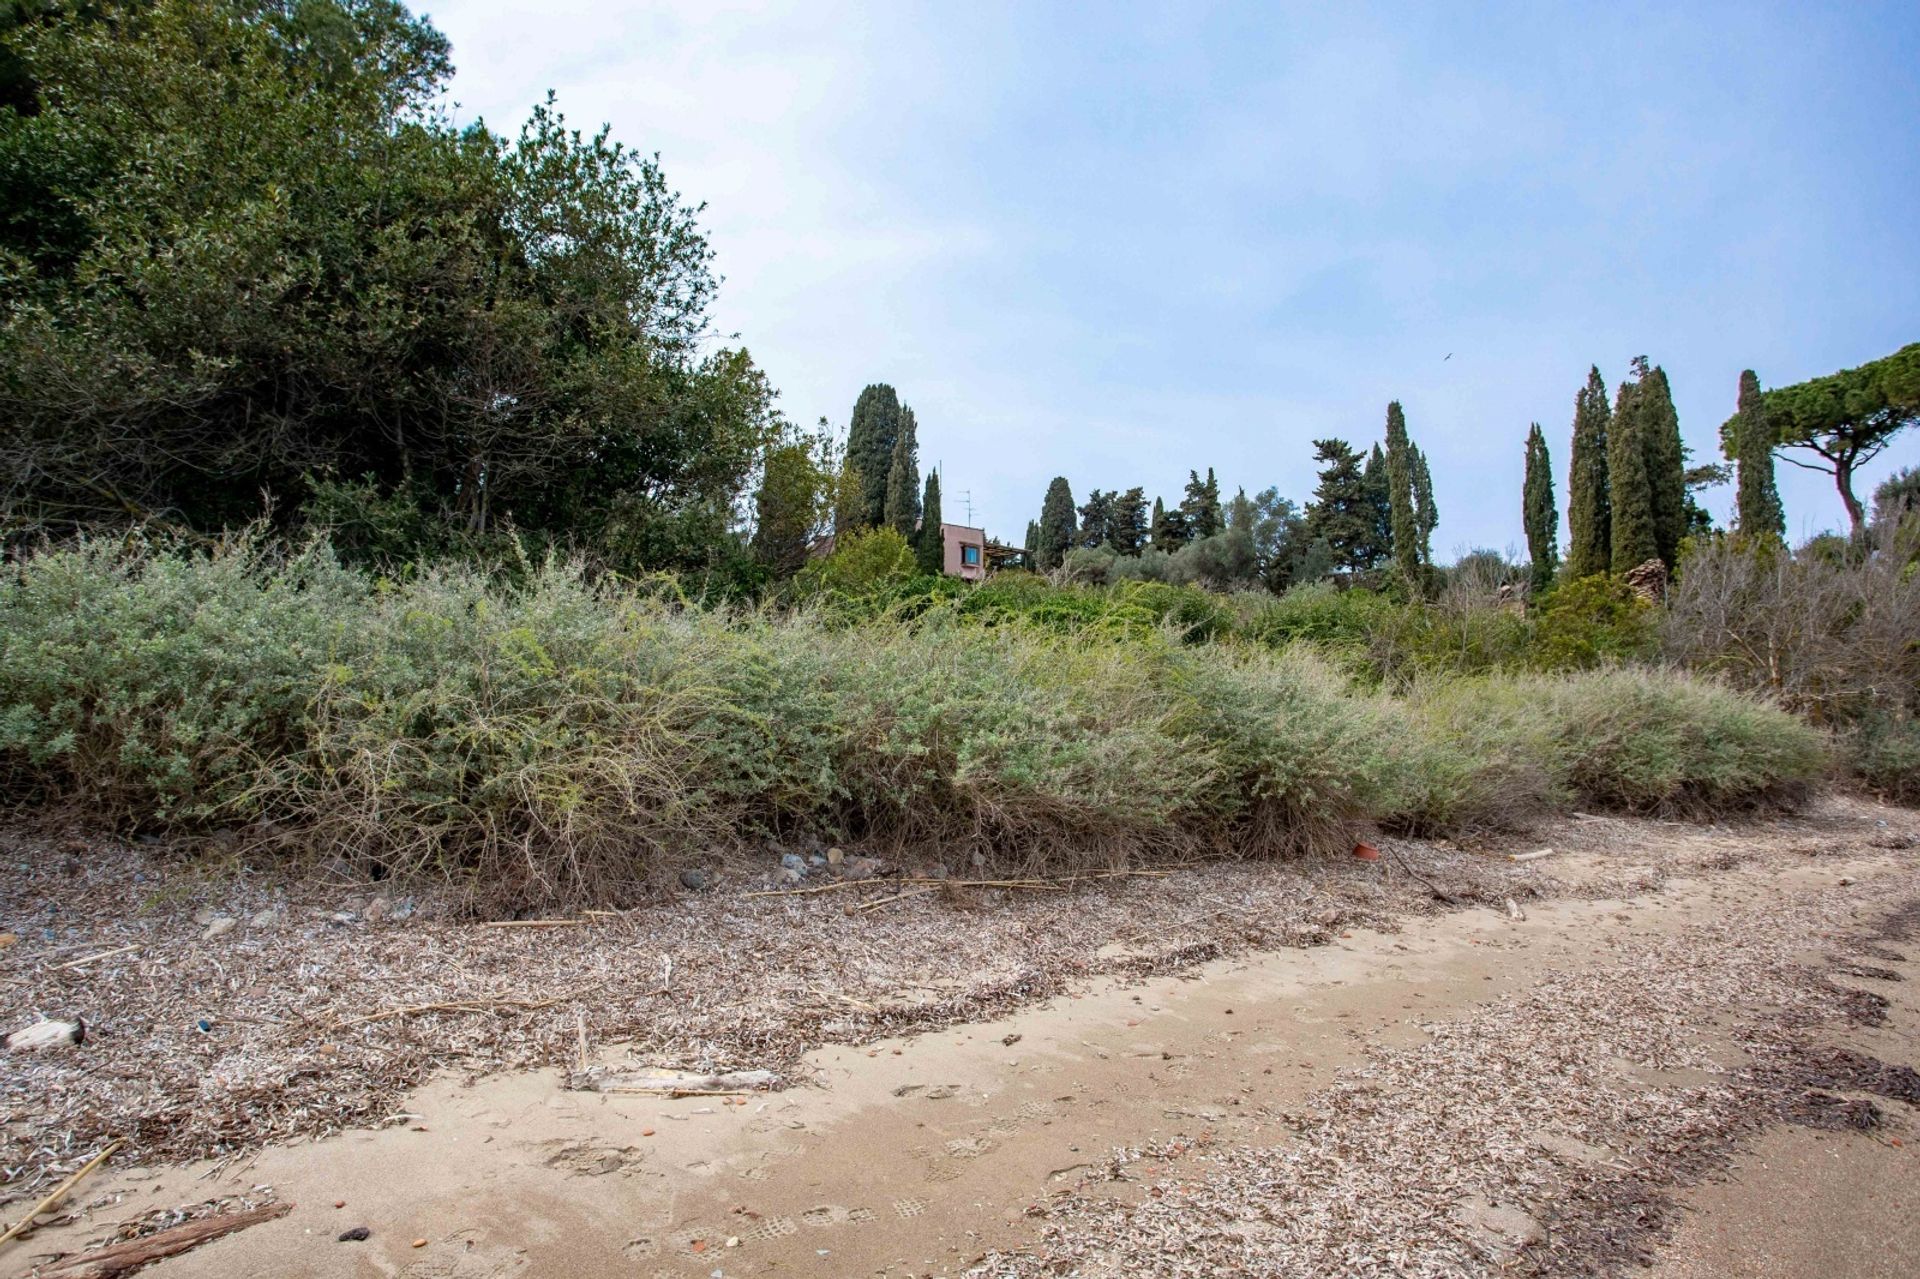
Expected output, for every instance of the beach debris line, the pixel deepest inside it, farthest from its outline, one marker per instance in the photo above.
(664, 1081)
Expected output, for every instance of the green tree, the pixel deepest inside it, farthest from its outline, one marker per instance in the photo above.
(903, 479)
(791, 502)
(1634, 536)
(1589, 493)
(245, 256)
(1058, 529)
(1426, 516)
(930, 544)
(863, 562)
(1032, 544)
(1846, 419)
(871, 435)
(1345, 512)
(1666, 465)
(1539, 514)
(1096, 519)
(1897, 498)
(1374, 478)
(1759, 515)
(1129, 528)
(1403, 529)
(1157, 525)
(1201, 506)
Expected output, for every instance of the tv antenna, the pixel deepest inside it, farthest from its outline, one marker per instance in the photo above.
(966, 500)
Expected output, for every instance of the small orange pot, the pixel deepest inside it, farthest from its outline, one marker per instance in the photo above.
(1366, 852)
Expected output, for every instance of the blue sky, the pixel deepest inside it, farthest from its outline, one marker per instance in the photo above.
(1117, 241)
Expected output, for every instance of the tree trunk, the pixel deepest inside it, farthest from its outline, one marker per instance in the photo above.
(1843, 479)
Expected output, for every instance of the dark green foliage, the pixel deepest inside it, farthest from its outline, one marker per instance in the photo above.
(1845, 419)
(1897, 499)
(1592, 621)
(1032, 542)
(871, 436)
(1426, 516)
(1539, 514)
(1634, 537)
(1058, 527)
(1201, 506)
(1345, 513)
(1157, 524)
(1380, 499)
(903, 479)
(1659, 429)
(1589, 500)
(930, 548)
(1760, 517)
(1402, 519)
(1097, 519)
(1128, 528)
(791, 503)
(243, 250)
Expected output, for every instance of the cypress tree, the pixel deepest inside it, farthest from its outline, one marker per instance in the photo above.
(1666, 461)
(1403, 529)
(1760, 516)
(903, 480)
(870, 439)
(1630, 488)
(1538, 513)
(1129, 528)
(1157, 529)
(1057, 527)
(1426, 516)
(1032, 543)
(1589, 494)
(1379, 493)
(931, 548)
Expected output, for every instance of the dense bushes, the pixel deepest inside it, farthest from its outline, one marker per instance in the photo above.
(543, 737)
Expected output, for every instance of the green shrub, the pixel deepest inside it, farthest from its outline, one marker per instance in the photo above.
(863, 562)
(547, 737)
(1589, 622)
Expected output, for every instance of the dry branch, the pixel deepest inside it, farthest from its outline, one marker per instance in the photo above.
(123, 1258)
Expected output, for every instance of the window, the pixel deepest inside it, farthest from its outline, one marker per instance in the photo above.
(970, 556)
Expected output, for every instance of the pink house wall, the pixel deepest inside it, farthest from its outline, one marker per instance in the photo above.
(957, 540)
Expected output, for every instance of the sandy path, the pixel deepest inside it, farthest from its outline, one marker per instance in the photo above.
(921, 1155)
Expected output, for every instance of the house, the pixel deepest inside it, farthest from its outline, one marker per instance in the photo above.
(965, 551)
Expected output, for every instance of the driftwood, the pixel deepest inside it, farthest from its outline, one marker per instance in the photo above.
(123, 1258)
(59, 1192)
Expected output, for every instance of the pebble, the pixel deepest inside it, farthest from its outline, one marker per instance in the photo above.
(835, 856)
(356, 1235)
(695, 880)
(793, 861)
(265, 919)
(220, 927)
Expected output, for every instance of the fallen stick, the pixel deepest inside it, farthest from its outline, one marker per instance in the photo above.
(882, 901)
(451, 1006)
(1534, 856)
(59, 1192)
(533, 923)
(88, 959)
(131, 1255)
(1422, 878)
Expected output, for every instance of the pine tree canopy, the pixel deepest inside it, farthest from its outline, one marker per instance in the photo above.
(1845, 419)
